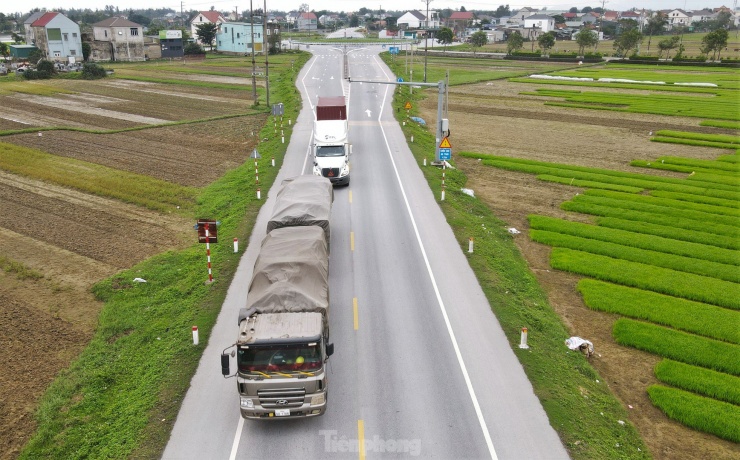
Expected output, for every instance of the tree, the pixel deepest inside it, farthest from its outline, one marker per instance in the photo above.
(92, 71)
(573, 10)
(354, 21)
(559, 19)
(86, 51)
(627, 41)
(478, 39)
(713, 42)
(139, 19)
(207, 33)
(586, 9)
(514, 42)
(667, 45)
(17, 38)
(193, 48)
(546, 42)
(586, 39)
(502, 11)
(655, 26)
(4, 49)
(445, 37)
(35, 56)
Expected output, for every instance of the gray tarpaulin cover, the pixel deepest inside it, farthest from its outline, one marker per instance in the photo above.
(291, 273)
(303, 200)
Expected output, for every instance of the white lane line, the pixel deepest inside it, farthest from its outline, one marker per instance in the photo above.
(464, 369)
(235, 446)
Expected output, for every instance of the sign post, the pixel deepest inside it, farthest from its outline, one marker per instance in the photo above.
(207, 233)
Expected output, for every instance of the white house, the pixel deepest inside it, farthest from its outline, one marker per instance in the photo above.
(541, 22)
(204, 17)
(418, 20)
(678, 17)
(57, 36)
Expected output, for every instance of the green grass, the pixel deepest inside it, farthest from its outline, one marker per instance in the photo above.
(679, 346)
(636, 240)
(559, 379)
(643, 276)
(704, 414)
(30, 87)
(712, 384)
(21, 271)
(96, 179)
(120, 398)
(685, 315)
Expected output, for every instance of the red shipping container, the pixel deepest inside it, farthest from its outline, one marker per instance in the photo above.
(331, 108)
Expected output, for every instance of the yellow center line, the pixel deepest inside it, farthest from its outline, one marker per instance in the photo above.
(354, 309)
(352, 240)
(350, 196)
(361, 438)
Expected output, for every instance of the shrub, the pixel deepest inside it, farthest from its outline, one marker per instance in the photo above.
(92, 71)
(708, 415)
(193, 48)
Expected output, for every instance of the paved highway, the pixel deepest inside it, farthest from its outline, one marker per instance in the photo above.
(421, 367)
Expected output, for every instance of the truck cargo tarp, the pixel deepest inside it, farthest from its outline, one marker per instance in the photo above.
(303, 201)
(291, 273)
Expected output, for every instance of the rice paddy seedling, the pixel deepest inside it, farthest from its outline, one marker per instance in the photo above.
(669, 231)
(636, 240)
(691, 170)
(704, 414)
(643, 256)
(697, 199)
(726, 179)
(729, 158)
(685, 315)
(721, 138)
(679, 346)
(730, 212)
(693, 142)
(649, 277)
(712, 384)
(588, 183)
(721, 124)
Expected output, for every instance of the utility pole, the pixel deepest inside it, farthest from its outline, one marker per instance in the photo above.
(601, 24)
(267, 52)
(426, 40)
(254, 68)
(182, 15)
(236, 13)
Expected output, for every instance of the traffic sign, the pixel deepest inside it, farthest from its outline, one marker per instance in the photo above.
(445, 144)
(445, 154)
(393, 49)
(400, 80)
(407, 106)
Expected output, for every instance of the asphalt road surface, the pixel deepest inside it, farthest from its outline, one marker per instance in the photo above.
(421, 366)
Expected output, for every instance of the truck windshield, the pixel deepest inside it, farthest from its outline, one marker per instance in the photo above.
(279, 358)
(329, 150)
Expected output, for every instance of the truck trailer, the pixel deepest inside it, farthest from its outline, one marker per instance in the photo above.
(331, 147)
(283, 340)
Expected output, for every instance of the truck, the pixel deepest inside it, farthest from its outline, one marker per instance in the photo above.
(331, 147)
(283, 343)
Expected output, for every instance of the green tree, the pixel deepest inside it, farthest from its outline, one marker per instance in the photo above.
(16, 38)
(139, 19)
(627, 41)
(667, 45)
(502, 11)
(445, 37)
(573, 10)
(4, 49)
(514, 42)
(546, 42)
(478, 39)
(207, 33)
(586, 39)
(559, 19)
(92, 71)
(193, 48)
(655, 26)
(354, 21)
(713, 42)
(86, 51)
(586, 9)
(35, 56)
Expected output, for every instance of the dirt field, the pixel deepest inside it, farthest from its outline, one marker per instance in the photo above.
(523, 127)
(66, 240)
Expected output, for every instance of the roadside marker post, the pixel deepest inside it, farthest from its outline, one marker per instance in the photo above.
(195, 335)
(470, 245)
(236, 245)
(523, 342)
(207, 233)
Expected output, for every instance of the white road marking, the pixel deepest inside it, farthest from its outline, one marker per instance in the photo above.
(464, 369)
(235, 446)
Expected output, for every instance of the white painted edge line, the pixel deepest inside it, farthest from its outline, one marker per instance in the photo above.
(235, 445)
(463, 368)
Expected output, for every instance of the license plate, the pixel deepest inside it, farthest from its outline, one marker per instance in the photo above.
(282, 412)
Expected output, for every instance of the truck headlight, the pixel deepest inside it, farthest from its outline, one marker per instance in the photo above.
(316, 170)
(345, 170)
(318, 399)
(248, 403)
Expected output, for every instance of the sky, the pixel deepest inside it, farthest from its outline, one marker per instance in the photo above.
(7, 6)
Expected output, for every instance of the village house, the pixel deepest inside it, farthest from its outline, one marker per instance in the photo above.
(204, 17)
(307, 22)
(117, 39)
(236, 38)
(57, 36)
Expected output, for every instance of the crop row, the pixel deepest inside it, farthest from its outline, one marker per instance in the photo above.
(705, 414)
(644, 75)
(697, 171)
(643, 276)
(725, 214)
(721, 124)
(679, 346)
(697, 199)
(729, 158)
(722, 138)
(607, 176)
(686, 315)
(636, 240)
(588, 183)
(601, 84)
(668, 230)
(713, 384)
(606, 210)
(693, 142)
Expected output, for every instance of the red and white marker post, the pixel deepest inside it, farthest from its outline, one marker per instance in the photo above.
(208, 255)
(195, 335)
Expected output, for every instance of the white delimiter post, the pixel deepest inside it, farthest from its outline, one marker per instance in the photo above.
(523, 342)
(236, 245)
(195, 335)
(470, 245)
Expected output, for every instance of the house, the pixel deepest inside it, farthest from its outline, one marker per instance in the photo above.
(540, 22)
(117, 39)
(307, 22)
(518, 18)
(21, 52)
(612, 16)
(236, 38)
(459, 21)
(385, 33)
(171, 45)
(678, 18)
(570, 16)
(204, 17)
(702, 15)
(57, 36)
(418, 20)
(496, 35)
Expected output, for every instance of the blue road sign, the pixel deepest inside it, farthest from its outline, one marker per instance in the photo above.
(445, 154)
(400, 79)
(393, 49)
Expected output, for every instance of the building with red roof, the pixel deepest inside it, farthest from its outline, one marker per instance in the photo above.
(57, 36)
(204, 17)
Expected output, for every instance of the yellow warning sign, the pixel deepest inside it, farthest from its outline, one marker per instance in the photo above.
(445, 144)
(407, 106)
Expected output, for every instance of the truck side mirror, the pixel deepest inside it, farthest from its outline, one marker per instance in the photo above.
(329, 349)
(225, 368)
(350, 149)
